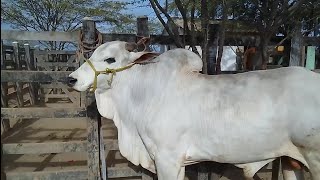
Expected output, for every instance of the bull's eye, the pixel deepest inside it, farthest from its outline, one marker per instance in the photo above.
(110, 60)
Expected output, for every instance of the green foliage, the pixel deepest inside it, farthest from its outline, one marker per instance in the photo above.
(275, 16)
(62, 15)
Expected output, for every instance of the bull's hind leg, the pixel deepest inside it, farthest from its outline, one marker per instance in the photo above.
(168, 168)
(291, 169)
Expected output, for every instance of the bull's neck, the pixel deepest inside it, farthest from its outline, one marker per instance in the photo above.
(136, 88)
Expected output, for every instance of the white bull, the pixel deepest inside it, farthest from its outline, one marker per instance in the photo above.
(169, 115)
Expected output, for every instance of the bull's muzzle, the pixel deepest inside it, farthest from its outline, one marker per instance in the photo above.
(71, 81)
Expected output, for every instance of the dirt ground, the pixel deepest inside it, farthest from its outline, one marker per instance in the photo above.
(63, 130)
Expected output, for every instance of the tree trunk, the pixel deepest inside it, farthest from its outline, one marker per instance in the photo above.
(221, 37)
(263, 51)
(204, 29)
(296, 48)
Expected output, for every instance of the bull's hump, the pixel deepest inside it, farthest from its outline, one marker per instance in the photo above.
(186, 59)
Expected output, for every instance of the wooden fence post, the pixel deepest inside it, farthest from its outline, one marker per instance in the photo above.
(3, 174)
(4, 91)
(212, 49)
(296, 59)
(19, 86)
(296, 49)
(95, 171)
(203, 173)
(143, 30)
(30, 67)
(275, 169)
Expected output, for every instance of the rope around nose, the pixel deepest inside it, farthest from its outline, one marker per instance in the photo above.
(107, 71)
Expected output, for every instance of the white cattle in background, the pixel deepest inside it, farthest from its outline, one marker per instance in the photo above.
(168, 115)
(228, 60)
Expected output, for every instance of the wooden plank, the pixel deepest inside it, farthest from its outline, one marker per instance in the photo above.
(4, 92)
(3, 175)
(56, 95)
(36, 112)
(113, 172)
(103, 159)
(34, 76)
(121, 172)
(119, 37)
(240, 39)
(275, 169)
(54, 85)
(59, 64)
(50, 52)
(311, 57)
(71, 60)
(53, 147)
(74, 99)
(110, 145)
(311, 41)
(49, 175)
(40, 36)
(231, 38)
(30, 66)
(18, 67)
(93, 120)
(93, 145)
(44, 148)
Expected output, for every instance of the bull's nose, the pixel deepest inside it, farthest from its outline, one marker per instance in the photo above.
(71, 81)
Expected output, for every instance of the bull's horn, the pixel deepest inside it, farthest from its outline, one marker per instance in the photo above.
(131, 46)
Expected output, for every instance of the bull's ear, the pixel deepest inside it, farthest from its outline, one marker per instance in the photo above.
(143, 57)
(146, 58)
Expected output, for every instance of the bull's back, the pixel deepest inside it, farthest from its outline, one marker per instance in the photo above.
(245, 110)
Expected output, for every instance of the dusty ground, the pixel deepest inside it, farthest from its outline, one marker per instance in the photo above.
(62, 130)
(57, 130)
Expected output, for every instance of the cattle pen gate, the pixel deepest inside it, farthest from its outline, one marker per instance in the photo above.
(28, 70)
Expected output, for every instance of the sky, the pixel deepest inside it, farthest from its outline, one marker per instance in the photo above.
(143, 9)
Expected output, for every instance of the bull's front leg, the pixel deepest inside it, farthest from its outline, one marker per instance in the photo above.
(168, 167)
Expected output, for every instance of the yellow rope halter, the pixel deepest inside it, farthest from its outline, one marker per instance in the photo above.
(107, 71)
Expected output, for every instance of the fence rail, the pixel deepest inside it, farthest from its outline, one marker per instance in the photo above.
(53, 147)
(239, 39)
(40, 36)
(33, 76)
(28, 113)
(113, 172)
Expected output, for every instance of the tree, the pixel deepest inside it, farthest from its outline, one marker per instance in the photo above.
(268, 18)
(271, 17)
(191, 12)
(63, 15)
